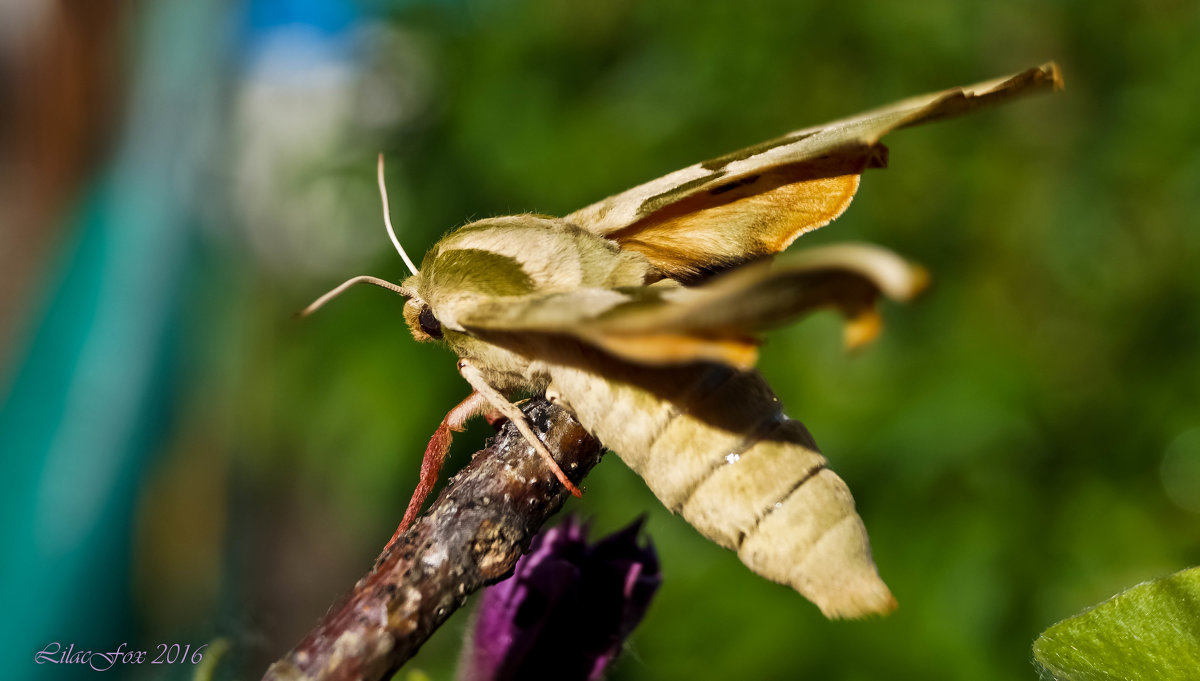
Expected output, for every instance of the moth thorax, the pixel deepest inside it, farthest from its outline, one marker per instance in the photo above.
(527, 252)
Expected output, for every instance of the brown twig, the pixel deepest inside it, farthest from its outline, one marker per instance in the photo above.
(473, 534)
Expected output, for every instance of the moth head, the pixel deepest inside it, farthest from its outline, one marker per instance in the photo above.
(421, 320)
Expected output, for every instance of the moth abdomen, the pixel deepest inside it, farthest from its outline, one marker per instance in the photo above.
(717, 450)
(761, 475)
(792, 519)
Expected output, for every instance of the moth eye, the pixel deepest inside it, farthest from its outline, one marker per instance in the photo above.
(429, 323)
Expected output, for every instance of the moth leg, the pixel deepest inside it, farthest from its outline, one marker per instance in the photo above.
(514, 414)
(435, 455)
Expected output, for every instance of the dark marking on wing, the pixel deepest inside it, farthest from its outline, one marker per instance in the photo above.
(741, 154)
(668, 197)
(728, 186)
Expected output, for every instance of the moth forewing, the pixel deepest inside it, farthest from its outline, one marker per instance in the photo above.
(764, 196)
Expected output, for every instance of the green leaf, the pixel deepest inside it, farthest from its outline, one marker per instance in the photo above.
(1151, 631)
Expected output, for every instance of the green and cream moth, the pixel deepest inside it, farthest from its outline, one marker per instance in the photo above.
(639, 314)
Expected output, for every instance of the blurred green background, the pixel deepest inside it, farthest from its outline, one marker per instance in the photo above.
(182, 461)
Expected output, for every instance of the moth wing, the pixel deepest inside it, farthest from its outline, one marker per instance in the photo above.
(756, 201)
(717, 321)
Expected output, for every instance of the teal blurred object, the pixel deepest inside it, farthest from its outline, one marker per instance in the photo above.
(93, 396)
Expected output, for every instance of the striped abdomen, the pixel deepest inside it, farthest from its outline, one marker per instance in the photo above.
(714, 446)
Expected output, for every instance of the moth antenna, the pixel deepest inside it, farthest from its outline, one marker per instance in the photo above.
(340, 288)
(387, 218)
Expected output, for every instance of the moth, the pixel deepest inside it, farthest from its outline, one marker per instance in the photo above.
(640, 313)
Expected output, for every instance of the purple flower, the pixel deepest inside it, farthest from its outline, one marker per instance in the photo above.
(566, 609)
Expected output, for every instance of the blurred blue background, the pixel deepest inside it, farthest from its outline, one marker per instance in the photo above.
(182, 462)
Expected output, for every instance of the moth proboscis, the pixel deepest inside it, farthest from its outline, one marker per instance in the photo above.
(639, 314)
